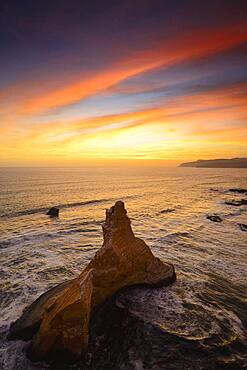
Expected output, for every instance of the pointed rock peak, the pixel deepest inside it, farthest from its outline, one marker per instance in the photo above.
(116, 220)
(116, 212)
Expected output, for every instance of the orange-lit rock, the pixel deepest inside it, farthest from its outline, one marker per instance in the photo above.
(122, 261)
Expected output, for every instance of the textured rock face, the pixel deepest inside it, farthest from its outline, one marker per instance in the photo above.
(28, 324)
(122, 261)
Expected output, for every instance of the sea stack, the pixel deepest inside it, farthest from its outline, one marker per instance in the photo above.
(53, 212)
(62, 325)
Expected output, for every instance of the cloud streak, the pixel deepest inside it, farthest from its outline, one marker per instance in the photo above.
(176, 94)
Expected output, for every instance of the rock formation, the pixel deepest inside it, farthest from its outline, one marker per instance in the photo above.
(53, 212)
(28, 324)
(62, 315)
(243, 227)
(236, 203)
(214, 218)
(238, 190)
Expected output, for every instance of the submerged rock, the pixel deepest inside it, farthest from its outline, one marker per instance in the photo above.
(236, 203)
(243, 227)
(53, 212)
(238, 190)
(63, 315)
(214, 218)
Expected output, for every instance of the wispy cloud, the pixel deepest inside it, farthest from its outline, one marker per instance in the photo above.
(161, 99)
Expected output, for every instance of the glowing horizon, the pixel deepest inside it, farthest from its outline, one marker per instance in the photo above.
(157, 93)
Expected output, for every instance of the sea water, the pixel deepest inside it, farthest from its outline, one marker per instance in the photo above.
(168, 209)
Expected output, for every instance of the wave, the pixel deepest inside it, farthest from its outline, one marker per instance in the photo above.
(168, 210)
(177, 234)
(237, 213)
(66, 205)
(39, 238)
(44, 209)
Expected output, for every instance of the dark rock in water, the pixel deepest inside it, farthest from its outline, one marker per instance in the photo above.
(61, 317)
(53, 212)
(237, 190)
(236, 203)
(243, 227)
(168, 210)
(214, 218)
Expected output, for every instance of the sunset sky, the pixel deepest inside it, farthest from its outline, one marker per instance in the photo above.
(83, 81)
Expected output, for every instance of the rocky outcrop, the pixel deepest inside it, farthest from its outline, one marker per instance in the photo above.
(62, 319)
(28, 324)
(53, 212)
(243, 227)
(236, 203)
(238, 190)
(214, 218)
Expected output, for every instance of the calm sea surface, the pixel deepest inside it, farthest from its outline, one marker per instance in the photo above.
(168, 209)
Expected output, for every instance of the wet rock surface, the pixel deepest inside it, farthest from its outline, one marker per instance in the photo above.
(128, 332)
(28, 324)
(125, 341)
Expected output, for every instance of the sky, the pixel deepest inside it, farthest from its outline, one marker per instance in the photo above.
(92, 81)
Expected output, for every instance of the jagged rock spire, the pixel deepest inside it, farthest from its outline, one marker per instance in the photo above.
(61, 319)
(117, 221)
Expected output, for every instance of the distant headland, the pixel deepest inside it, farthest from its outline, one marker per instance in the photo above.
(217, 163)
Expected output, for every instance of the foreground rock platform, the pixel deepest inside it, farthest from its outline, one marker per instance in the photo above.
(59, 321)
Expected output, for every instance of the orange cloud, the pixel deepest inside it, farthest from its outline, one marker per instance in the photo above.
(199, 43)
(183, 127)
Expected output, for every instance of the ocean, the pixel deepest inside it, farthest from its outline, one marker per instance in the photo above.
(168, 209)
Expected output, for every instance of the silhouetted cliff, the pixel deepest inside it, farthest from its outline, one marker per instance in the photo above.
(218, 163)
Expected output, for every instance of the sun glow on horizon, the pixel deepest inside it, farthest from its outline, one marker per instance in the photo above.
(168, 96)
